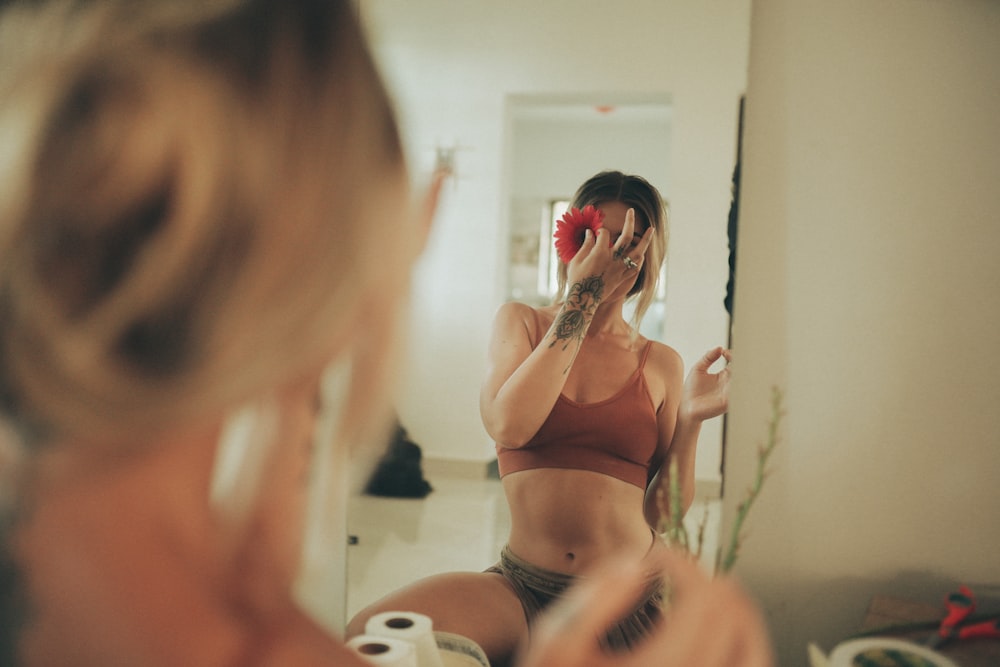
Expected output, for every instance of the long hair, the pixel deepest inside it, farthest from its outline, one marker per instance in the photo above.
(650, 211)
(179, 220)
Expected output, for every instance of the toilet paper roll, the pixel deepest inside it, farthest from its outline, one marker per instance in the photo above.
(408, 626)
(384, 651)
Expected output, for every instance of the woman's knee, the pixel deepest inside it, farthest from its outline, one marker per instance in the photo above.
(429, 596)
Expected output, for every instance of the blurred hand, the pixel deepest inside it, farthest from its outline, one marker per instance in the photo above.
(709, 623)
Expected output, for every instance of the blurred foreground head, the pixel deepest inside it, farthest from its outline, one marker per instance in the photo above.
(199, 200)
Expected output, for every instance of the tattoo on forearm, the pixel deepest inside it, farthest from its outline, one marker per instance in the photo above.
(587, 293)
(569, 325)
(578, 309)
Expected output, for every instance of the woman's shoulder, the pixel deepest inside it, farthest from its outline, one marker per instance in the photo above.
(664, 361)
(514, 309)
(536, 320)
(524, 309)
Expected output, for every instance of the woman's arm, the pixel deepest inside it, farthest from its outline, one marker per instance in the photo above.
(705, 395)
(669, 368)
(523, 380)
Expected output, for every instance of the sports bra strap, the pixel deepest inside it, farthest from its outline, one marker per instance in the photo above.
(645, 353)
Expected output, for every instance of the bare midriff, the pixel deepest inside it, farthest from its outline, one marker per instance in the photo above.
(571, 520)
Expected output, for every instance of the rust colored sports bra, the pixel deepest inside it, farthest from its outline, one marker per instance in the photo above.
(616, 436)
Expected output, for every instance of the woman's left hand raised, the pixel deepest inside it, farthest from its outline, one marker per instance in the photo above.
(706, 394)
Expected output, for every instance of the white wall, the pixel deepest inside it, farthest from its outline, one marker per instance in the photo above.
(867, 288)
(451, 66)
(554, 156)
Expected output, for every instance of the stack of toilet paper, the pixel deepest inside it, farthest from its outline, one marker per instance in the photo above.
(398, 639)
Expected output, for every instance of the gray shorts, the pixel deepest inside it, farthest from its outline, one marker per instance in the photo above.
(537, 588)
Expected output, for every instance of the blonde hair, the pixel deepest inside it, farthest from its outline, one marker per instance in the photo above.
(183, 221)
(650, 210)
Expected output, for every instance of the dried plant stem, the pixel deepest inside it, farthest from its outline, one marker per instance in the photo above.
(702, 524)
(671, 525)
(764, 451)
(680, 534)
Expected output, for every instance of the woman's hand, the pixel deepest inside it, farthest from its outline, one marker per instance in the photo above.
(706, 394)
(710, 622)
(598, 256)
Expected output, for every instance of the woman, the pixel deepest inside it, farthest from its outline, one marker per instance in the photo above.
(192, 231)
(586, 415)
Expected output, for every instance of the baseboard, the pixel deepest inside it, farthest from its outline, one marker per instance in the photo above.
(462, 468)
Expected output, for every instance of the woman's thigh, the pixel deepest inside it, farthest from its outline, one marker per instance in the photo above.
(477, 605)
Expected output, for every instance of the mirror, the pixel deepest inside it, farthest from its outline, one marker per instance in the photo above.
(556, 143)
(469, 79)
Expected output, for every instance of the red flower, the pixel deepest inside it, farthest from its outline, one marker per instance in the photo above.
(571, 230)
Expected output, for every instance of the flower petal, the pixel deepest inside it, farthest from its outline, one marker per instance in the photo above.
(572, 228)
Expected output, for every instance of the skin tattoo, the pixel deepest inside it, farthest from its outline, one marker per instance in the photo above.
(581, 302)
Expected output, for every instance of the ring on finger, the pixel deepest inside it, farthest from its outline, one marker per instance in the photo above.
(629, 263)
